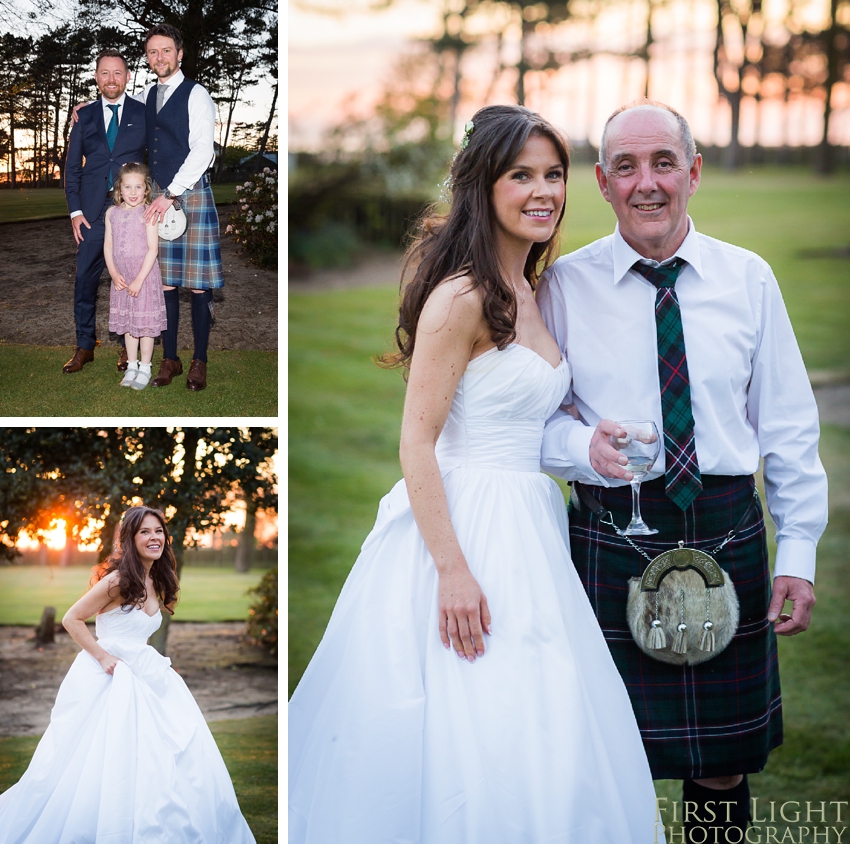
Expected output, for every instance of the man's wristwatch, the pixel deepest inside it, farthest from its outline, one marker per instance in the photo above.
(168, 194)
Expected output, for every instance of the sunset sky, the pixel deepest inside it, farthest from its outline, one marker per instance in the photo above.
(335, 62)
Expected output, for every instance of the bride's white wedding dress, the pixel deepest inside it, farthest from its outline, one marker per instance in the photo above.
(395, 739)
(127, 758)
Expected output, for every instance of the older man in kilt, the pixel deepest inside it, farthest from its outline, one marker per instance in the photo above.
(662, 323)
(180, 119)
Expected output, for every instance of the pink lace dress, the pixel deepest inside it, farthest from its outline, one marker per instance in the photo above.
(144, 315)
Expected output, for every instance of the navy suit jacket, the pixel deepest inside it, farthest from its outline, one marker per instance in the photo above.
(87, 185)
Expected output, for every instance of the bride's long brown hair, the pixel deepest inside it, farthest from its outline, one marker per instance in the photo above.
(463, 242)
(131, 573)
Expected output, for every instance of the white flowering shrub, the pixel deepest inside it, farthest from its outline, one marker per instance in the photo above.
(254, 222)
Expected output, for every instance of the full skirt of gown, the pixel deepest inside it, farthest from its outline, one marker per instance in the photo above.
(127, 758)
(393, 738)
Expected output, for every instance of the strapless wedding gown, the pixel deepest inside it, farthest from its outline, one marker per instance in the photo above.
(127, 758)
(393, 738)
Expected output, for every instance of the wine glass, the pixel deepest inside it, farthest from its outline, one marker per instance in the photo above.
(640, 445)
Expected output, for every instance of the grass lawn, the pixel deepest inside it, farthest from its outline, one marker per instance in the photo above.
(345, 414)
(249, 748)
(240, 383)
(207, 594)
(48, 203)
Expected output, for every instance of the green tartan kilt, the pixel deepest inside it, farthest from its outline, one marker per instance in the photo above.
(721, 717)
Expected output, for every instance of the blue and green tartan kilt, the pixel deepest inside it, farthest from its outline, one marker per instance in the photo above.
(721, 717)
(194, 259)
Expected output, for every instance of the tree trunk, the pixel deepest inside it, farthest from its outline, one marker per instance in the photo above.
(265, 139)
(67, 552)
(826, 161)
(245, 549)
(45, 633)
(12, 170)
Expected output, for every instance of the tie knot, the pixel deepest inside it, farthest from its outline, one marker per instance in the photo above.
(663, 276)
(113, 109)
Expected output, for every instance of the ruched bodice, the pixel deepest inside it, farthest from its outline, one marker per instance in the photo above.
(499, 409)
(133, 624)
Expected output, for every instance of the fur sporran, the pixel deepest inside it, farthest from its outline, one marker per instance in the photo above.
(683, 621)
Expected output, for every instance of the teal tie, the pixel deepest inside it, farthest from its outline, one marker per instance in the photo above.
(112, 129)
(112, 134)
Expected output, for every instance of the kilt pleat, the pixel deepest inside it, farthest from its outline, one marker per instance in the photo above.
(194, 259)
(721, 717)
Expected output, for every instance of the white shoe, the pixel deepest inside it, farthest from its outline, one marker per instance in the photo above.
(143, 377)
(130, 374)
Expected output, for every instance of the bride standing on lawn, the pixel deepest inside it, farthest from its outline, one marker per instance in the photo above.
(128, 757)
(417, 719)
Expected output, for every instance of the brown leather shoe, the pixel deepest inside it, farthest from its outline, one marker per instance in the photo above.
(81, 358)
(167, 370)
(197, 377)
(122, 360)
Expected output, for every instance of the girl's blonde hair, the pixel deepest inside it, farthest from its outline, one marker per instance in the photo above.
(133, 167)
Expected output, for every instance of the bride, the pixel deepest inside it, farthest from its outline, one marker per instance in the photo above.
(127, 757)
(463, 692)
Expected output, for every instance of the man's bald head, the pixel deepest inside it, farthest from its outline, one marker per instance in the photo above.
(688, 145)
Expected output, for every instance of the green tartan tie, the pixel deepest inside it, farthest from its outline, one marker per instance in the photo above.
(684, 482)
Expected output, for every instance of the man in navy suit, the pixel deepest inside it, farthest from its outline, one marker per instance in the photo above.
(109, 133)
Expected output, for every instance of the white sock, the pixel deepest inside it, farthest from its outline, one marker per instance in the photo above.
(145, 367)
(132, 365)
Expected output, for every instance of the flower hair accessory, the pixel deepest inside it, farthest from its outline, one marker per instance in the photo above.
(446, 187)
(467, 134)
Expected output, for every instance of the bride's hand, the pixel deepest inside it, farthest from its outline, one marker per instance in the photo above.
(108, 663)
(464, 614)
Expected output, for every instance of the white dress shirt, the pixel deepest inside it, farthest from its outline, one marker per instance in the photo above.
(750, 393)
(201, 132)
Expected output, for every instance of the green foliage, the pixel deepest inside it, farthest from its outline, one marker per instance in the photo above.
(206, 594)
(263, 612)
(242, 383)
(249, 749)
(331, 244)
(95, 473)
(254, 223)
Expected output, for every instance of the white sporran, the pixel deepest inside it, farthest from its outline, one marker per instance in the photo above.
(173, 223)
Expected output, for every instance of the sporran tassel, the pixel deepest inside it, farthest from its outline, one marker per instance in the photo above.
(657, 639)
(706, 639)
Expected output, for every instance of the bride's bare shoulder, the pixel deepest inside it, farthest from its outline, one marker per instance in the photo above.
(454, 303)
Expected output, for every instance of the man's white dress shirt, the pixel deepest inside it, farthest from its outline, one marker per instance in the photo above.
(750, 393)
(201, 132)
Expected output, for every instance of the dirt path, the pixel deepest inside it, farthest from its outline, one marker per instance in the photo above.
(382, 269)
(37, 263)
(229, 678)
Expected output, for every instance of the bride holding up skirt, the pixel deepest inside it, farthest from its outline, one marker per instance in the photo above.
(128, 757)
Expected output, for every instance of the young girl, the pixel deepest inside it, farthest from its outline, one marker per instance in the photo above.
(136, 301)
(128, 756)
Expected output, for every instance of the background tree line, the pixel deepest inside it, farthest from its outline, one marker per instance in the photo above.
(375, 172)
(47, 66)
(85, 475)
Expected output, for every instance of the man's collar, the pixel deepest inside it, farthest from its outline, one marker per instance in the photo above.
(173, 81)
(624, 256)
(118, 102)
